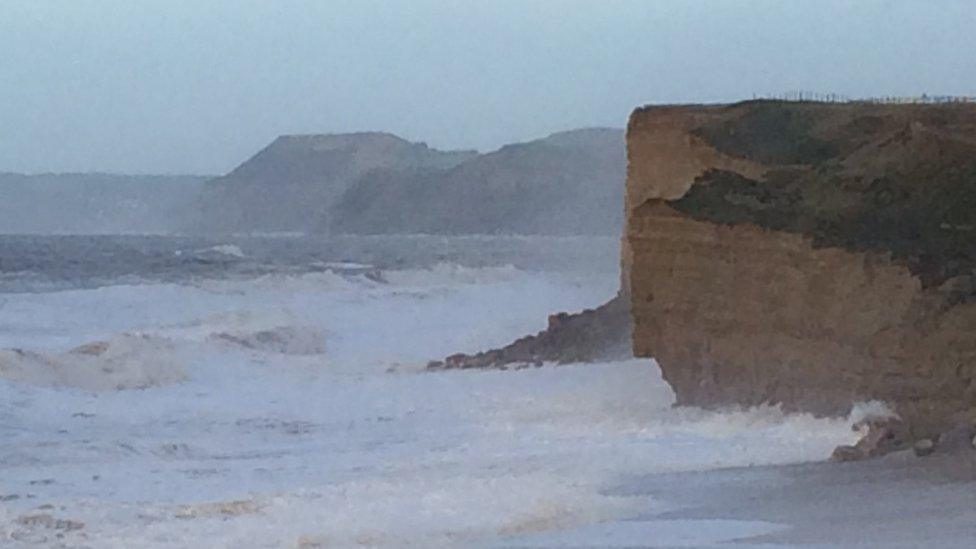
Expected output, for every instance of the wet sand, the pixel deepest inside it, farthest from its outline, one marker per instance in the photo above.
(897, 501)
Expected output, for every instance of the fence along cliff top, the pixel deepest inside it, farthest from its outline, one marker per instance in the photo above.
(817, 97)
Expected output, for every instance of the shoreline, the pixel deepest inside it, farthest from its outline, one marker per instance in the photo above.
(896, 501)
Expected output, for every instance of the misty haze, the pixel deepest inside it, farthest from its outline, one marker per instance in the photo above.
(487, 274)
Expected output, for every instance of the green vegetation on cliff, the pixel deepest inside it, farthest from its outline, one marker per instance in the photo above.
(901, 181)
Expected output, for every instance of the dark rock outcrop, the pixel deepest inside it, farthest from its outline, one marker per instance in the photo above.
(961, 438)
(882, 435)
(594, 334)
(808, 255)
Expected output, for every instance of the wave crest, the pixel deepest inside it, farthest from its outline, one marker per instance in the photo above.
(125, 361)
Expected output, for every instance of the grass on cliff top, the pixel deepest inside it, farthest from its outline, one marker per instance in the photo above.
(899, 179)
(932, 228)
(770, 133)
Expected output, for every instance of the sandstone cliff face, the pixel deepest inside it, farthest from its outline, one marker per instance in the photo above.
(808, 255)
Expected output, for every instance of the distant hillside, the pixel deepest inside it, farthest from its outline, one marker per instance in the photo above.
(371, 183)
(568, 183)
(96, 203)
(293, 183)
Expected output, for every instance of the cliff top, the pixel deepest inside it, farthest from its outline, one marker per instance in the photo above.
(899, 178)
(338, 141)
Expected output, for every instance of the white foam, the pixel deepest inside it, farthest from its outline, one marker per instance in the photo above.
(343, 266)
(125, 361)
(231, 250)
(289, 340)
(451, 274)
(863, 411)
(303, 434)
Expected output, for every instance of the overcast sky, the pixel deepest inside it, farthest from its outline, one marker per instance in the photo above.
(194, 86)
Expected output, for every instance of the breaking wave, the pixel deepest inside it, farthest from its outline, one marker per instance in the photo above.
(283, 410)
(126, 361)
(220, 251)
(287, 340)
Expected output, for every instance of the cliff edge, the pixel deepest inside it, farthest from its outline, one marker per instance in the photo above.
(807, 254)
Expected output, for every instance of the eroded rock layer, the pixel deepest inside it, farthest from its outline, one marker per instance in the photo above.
(811, 255)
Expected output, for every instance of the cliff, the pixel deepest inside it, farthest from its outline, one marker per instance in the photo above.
(567, 183)
(808, 255)
(378, 183)
(292, 184)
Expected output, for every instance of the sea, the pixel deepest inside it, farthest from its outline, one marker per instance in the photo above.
(271, 391)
